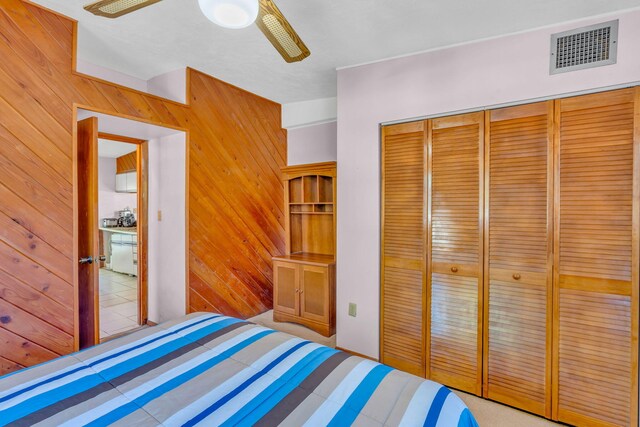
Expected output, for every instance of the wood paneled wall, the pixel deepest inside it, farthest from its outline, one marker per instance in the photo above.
(235, 197)
(127, 163)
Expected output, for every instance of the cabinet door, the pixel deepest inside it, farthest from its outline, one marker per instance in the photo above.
(456, 229)
(518, 273)
(596, 293)
(402, 294)
(314, 293)
(132, 182)
(287, 287)
(121, 183)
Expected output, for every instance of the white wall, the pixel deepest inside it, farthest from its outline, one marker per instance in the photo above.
(167, 238)
(305, 113)
(171, 85)
(473, 76)
(312, 144)
(108, 200)
(110, 75)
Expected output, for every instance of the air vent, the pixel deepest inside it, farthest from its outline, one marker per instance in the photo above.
(585, 47)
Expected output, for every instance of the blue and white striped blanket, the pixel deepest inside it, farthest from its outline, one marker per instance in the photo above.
(207, 369)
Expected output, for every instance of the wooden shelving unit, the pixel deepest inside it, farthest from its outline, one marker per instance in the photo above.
(304, 290)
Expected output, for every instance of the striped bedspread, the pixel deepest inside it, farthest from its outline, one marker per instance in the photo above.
(207, 369)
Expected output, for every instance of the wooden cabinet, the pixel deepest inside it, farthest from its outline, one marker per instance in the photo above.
(524, 222)
(304, 291)
(286, 278)
(304, 278)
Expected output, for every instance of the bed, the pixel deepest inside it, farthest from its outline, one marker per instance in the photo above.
(208, 369)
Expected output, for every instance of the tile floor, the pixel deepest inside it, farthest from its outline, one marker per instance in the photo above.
(118, 303)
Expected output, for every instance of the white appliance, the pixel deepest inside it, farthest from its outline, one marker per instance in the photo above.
(124, 253)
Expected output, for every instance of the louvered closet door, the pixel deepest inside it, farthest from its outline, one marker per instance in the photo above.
(596, 316)
(403, 295)
(518, 269)
(456, 168)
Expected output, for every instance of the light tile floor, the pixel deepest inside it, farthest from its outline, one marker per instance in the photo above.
(118, 303)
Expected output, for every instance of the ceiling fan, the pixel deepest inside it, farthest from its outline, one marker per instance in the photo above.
(228, 14)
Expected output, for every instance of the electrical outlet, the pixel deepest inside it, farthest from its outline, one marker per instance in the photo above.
(353, 308)
(159, 215)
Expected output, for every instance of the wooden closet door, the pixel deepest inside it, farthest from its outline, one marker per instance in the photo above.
(456, 247)
(403, 296)
(518, 256)
(596, 292)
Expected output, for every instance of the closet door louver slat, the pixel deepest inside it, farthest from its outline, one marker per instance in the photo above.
(403, 307)
(455, 273)
(596, 311)
(518, 273)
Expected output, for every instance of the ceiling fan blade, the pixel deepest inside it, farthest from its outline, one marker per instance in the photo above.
(280, 33)
(116, 8)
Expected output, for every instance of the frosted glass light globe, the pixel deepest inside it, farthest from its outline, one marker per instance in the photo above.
(233, 14)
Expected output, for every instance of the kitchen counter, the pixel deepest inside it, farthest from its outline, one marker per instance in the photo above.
(122, 230)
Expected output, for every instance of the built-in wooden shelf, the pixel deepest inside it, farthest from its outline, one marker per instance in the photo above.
(304, 278)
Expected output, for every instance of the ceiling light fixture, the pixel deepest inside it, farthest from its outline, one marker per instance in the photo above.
(233, 14)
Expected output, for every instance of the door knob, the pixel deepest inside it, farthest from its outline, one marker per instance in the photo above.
(86, 260)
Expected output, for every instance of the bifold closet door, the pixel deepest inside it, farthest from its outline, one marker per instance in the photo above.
(403, 295)
(455, 272)
(518, 256)
(596, 277)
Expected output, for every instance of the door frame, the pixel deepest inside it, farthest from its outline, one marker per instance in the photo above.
(87, 300)
(142, 168)
(75, 257)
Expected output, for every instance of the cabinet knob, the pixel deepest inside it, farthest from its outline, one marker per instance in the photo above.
(516, 276)
(454, 269)
(297, 291)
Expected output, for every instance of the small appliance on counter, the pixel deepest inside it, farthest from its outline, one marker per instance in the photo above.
(109, 222)
(126, 218)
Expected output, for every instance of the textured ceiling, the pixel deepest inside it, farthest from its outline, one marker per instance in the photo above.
(173, 34)
(113, 149)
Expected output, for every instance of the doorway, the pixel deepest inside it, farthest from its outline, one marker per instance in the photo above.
(112, 192)
(122, 213)
(162, 186)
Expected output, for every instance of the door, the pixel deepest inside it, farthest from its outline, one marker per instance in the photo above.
(456, 230)
(403, 294)
(285, 292)
(314, 293)
(596, 259)
(518, 256)
(88, 240)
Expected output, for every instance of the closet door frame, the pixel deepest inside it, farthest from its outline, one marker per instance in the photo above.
(433, 124)
(520, 111)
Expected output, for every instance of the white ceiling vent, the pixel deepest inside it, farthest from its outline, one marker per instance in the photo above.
(585, 47)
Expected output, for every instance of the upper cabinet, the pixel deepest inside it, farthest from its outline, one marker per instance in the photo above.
(127, 182)
(126, 173)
